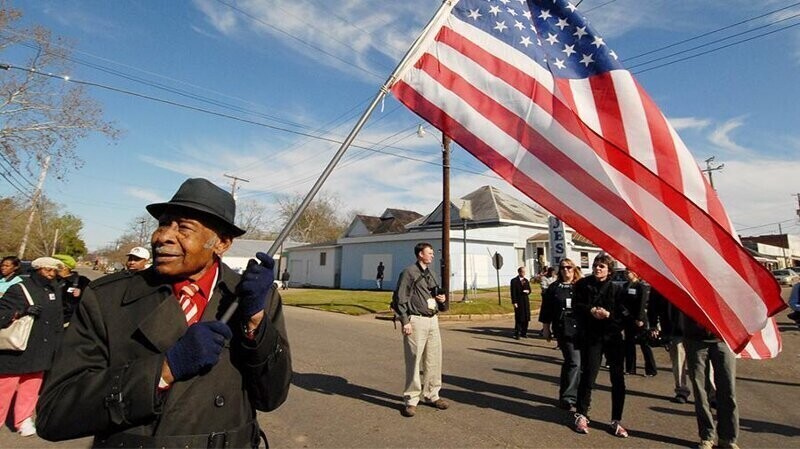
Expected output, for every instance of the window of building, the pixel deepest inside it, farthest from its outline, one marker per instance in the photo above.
(323, 257)
(584, 259)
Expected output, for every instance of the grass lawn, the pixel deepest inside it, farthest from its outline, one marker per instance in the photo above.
(360, 302)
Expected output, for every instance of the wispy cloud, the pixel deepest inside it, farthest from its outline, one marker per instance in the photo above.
(722, 139)
(681, 123)
(144, 194)
(353, 36)
(755, 192)
(75, 17)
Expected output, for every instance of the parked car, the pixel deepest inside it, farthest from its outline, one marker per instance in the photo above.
(785, 277)
(795, 269)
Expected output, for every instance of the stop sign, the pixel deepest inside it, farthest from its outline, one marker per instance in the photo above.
(497, 261)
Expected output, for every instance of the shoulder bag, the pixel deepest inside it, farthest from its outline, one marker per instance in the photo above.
(15, 336)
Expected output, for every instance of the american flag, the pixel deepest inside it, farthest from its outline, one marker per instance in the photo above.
(531, 90)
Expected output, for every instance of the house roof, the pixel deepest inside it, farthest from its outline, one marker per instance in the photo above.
(489, 205)
(391, 221)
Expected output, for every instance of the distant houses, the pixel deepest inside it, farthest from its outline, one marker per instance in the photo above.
(500, 223)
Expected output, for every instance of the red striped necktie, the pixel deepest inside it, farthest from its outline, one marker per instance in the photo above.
(189, 302)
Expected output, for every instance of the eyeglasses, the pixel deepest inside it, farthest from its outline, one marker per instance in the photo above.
(566, 267)
(600, 265)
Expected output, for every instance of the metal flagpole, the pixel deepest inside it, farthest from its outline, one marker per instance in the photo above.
(443, 10)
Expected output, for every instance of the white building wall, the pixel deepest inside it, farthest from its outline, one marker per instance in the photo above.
(305, 269)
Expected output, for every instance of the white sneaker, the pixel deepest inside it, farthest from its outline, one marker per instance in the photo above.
(27, 428)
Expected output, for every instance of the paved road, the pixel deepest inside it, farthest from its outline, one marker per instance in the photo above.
(348, 379)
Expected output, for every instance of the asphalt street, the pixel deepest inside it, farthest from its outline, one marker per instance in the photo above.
(349, 377)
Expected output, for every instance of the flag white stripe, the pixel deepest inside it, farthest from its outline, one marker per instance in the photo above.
(584, 104)
(634, 119)
(694, 185)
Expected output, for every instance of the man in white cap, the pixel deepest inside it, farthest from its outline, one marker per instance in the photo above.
(137, 259)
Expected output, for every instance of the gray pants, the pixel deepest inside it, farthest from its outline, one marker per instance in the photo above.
(699, 355)
(423, 351)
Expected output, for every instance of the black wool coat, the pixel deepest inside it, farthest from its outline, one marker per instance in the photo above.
(518, 296)
(47, 328)
(104, 380)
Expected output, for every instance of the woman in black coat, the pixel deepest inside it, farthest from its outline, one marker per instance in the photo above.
(601, 316)
(21, 372)
(636, 298)
(557, 316)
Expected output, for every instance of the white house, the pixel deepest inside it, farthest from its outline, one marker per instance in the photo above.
(242, 250)
(500, 224)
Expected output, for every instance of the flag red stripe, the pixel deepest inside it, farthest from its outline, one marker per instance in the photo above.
(607, 106)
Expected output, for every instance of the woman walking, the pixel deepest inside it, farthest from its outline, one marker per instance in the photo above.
(8, 273)
(558, 319)
(601, 316)
(636, 298)
(21, 372)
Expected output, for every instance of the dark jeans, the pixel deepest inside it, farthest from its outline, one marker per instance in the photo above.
(699, 354)
(570, 370)
(630, 353)
(592, 350)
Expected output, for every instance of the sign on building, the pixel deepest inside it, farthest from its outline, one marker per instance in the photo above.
(559, 241)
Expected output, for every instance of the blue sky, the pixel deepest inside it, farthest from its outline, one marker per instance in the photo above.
(311, 65)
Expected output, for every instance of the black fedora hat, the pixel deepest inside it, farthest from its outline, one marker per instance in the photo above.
(201, 195)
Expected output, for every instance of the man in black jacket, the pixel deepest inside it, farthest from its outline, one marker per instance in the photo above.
(146, 363)
(520, 291)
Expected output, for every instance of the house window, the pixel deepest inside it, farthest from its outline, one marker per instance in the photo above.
(323, 257)
(584, 259)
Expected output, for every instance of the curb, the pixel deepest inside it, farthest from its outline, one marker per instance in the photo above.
(445, 317)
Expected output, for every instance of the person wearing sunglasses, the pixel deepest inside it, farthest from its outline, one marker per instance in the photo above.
(601, 316)
(558, 319)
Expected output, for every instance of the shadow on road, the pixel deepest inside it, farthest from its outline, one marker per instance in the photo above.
(337, 385)
(755, 426)
(485, 330)
(545, 410)
(764, 381)
(519, 355)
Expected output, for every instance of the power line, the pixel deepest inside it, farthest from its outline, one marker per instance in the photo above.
(721, 40)
(596, 7)
(700, 36)
(766, 225)
(716, 49)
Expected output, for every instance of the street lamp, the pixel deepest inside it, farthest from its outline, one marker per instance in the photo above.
(465, 213)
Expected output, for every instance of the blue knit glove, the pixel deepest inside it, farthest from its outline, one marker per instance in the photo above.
(198, 349)
(255, 284)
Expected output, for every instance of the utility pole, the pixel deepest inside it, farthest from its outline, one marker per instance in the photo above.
(55, 243)
(34, 201)
(783, 249)
(142, 222)
(233, 184)
(446, 216)
(710, 169)
(798, 204)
